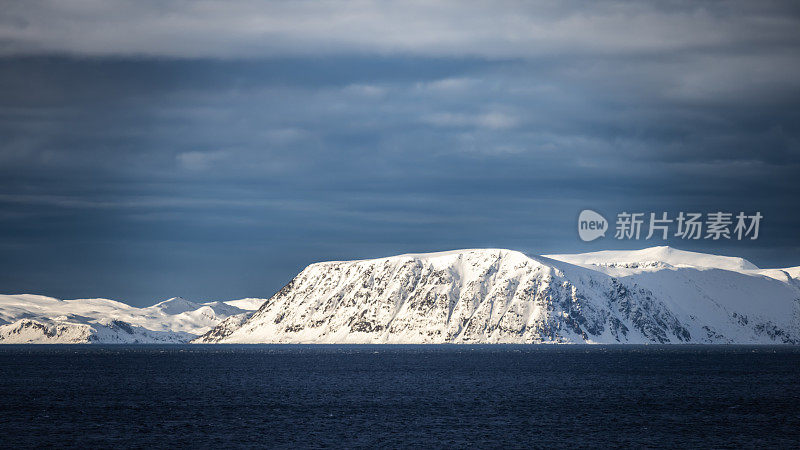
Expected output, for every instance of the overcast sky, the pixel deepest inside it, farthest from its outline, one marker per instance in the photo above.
(211, 150)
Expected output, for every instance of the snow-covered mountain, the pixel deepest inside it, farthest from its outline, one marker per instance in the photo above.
(39, 319)
(655, 295)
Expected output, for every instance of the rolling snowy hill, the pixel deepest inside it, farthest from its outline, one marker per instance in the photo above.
(656, 295)
(655, 255)
(39, 319)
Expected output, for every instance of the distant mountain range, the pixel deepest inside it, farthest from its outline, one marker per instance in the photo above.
(45, 320)
(655, 295)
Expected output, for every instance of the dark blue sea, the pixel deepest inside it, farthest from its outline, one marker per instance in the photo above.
(399, 396)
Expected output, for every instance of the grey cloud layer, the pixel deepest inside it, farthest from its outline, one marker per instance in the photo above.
(213, 149)
(494, 29)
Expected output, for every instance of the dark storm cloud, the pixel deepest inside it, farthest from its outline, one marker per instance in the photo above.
(211, 151)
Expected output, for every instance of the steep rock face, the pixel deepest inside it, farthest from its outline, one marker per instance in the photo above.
(224, 329)
(503, 296)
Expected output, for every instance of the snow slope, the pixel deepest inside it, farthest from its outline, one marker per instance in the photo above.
(40, 319)
(654, 256)
(656, 295)
(248, 304)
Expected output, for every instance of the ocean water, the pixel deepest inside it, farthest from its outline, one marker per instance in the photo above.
(399, 396)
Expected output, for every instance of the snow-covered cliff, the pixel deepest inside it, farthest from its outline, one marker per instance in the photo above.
(657, 295)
